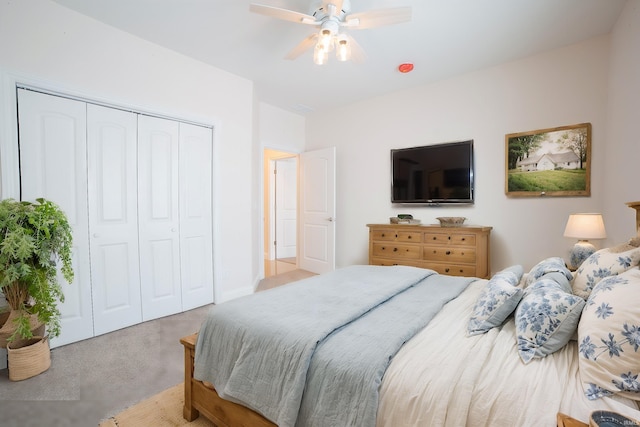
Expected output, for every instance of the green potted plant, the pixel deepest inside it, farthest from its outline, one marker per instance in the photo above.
(35, 239)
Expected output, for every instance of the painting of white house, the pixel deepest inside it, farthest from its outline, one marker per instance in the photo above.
(549, 162)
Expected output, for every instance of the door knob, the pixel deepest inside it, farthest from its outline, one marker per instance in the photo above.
(330, 219)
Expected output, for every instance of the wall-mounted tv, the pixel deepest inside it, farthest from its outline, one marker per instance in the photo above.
(433, 174)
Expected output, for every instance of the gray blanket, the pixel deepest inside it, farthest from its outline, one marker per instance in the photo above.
(259, 350)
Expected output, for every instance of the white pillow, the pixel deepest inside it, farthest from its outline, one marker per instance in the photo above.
(496, 301)
(546, 318)
(601, 264)
(609, 338)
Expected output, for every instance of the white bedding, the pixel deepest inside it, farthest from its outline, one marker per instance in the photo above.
(442, 377)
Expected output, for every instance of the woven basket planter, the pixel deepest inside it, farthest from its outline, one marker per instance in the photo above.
(28, 358)
(7, 327)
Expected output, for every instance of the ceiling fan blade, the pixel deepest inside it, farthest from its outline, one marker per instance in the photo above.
(304, 45)
(284, 14)
(357, 53)
(378, 18)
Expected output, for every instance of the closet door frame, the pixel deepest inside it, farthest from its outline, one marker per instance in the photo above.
(10, 83)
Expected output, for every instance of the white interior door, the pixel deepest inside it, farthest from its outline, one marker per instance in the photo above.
(113, 217)
(196, 241)
(286, 206)
(318, 204)
(53, 165)
(158, 217)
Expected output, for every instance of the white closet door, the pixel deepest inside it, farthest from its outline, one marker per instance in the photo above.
(158, 217)
(113, 218)
(286, 207)
(53, 165)
(196, 245)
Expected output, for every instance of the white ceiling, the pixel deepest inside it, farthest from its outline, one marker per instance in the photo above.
(443, 39)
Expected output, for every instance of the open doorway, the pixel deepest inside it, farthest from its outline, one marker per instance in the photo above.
(281, 212)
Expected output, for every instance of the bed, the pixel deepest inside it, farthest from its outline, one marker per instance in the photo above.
(410, 347)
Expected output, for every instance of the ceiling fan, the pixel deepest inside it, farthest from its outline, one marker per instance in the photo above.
(330, 16)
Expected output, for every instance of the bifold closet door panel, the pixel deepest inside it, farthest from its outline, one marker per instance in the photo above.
(113, 217)
(196, 242)
(53, 165)
(158, 213)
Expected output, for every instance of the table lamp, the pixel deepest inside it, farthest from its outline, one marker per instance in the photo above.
(584, 226)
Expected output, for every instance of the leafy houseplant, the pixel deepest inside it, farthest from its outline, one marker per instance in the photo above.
(33, 238)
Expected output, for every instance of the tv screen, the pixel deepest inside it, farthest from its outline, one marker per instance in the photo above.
(433, 174)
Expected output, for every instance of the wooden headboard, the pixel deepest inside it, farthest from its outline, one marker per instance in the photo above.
(636, 206)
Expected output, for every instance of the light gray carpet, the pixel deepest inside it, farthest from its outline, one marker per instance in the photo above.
(97, 378)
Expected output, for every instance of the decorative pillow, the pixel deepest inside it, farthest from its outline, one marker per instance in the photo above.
(634, 242)
(609, 338)
(545, 266)
(546, 319)
(601, 264)
(515, 269)
(497, 301)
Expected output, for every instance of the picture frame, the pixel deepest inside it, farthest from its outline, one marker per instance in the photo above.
(549, 162)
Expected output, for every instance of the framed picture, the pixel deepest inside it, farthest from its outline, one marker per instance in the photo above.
(549, 162)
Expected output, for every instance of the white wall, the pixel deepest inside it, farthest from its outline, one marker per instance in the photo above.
(281, 130)
(623, 137)
(561, 87)
(48, 45)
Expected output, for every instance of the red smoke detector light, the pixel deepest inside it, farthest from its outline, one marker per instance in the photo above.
(406, 67)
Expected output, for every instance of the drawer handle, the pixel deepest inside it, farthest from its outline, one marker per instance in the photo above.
(435, 238)
(449, 237)
(382, 235)
(395, 249)
(446, 270)
(396, 235)
(463, 239)
(409, 237)
(448, 252)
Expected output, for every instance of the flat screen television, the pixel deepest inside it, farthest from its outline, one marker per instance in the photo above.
(433, 174)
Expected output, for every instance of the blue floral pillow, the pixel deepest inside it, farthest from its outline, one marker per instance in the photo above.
(609, 338)
(497, 301)
(546, 318)
(548, 265)
(601, 264)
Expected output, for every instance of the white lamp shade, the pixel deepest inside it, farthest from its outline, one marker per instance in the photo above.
(585, 226)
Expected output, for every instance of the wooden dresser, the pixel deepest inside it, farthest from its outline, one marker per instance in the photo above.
(456, 251)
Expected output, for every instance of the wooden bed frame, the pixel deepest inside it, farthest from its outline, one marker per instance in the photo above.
(200, 398)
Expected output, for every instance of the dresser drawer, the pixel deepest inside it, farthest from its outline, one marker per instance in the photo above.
(393, 250)
(404, 261)
(449, 254)
(396, 236)
(450, 239)
(452, 269)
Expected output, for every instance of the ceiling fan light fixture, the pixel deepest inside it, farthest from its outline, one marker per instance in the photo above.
(325, 39)
(330, 16)
(320, 55)
(343, 49)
